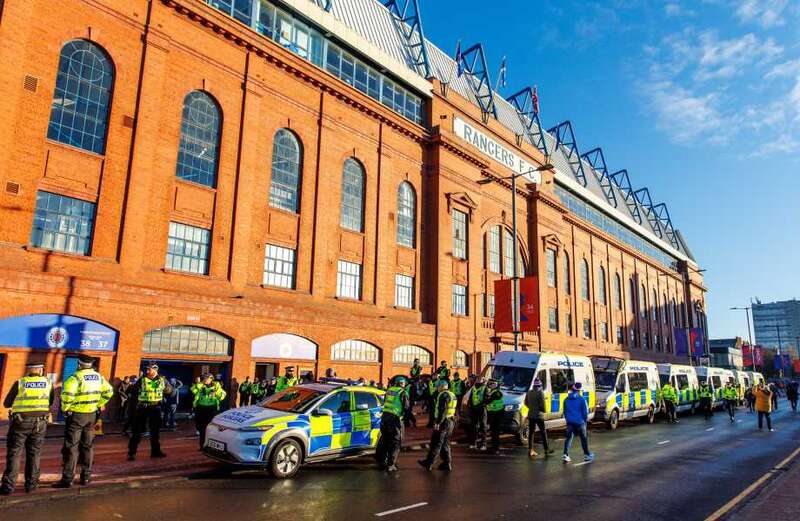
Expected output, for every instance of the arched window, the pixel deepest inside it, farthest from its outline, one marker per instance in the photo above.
(643, 301)
(284, 188)
(493, 249)
(355, 351)
(632, 294)
(460, 358)
(674, 316)
(186, 340)
(654, 304)
(508, 253)
(352, 211)
(584, 279)
(197, 152)
(407, 353)
(665, 310)
(566, 280)
(406, 215)
(82, 97)
(617, 291)
(601, 285)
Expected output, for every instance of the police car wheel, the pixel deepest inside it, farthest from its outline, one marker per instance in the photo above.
(613, 420)
(286, 459)
(522, 435)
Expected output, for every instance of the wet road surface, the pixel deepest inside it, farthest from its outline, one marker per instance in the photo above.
(659, 471)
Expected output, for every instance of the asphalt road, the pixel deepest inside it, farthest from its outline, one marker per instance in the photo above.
(660, 471)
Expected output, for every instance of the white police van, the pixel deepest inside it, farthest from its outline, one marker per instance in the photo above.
(558, 372)
(626, 389)
(684, 379)
(716, 378)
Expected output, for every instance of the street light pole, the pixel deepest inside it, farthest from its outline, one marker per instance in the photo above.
(749, 335)
(780, 371)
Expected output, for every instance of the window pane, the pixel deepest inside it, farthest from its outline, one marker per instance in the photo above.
(197, 152)
(493, 247)
(188, 248)
(348, 280)
(551, 267)
(459, 234)
(406, 215)
(186, 339)
(279, 267)
(508, 253)
(584, 280)
(404, 291)
(62, 223)
(284, 187)
(459, 306)
(552, 319)
(601, 286)
(352, 211)
(406, 354)
(565, 279)
(355, 351)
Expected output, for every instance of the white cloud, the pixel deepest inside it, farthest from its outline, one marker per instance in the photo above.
(784, 70)
(728, 58)
(674, 10)
(766, 13)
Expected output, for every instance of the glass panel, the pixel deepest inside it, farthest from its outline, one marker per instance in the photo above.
(352, 212)
(62, 223)
(459, 300)
(406, 215)
(355, 351)
(186, 339)
(279, 267)
(404, 291)
(197, 152)
(188, 248)
(459, 234)
(284, 187)
(348, 280)
(406, 354)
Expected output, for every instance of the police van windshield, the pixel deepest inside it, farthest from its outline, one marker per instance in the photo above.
(664, 379)
(605, 372)
(605, 380)
(510, 378)
(294, 399)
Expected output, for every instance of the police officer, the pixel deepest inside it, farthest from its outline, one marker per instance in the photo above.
(416, 370)
(731, 395)
(705, 399)
(459, 388)
(394, 406)
(29, 399)
(670, 397)
(444, 423)
(210, 395)
(150, 389)
(443, 373)
(477, 414)
(494, 410)
(286, 381)
(430, 394)
(83, 395)
(244, 392)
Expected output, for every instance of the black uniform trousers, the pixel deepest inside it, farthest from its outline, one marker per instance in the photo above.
(440, 443)
(149, 415)
(477, 418)
(730, 406)
(705, 404)
(495, 425)
(390, 441)
(203, 414)
(24, 433)
(533, 423)
(78, 444)
(670, 410)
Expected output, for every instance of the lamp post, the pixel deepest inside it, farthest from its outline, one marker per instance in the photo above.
(749, 335)
(780, 371)
(515, 277)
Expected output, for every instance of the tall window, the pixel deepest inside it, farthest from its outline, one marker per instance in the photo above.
(601, 286)
(406, 215)
(604, 331)
(552, 319)
(617, 291)
(459, 306)
(566, 281)
(674, 313)
(79, 113)
(352, 214)
(551, 267)
(664, 309)
(284, 188)
(620, 335)
(642, 301)
(584, 280)
(197, 151)
(460, 358)
(587, 328)
(488, 306)
(406, 354)
(632, 295)
(355, 351)
(188, 248)
(459, 234)
(348, 280)
(508, 253)
(62, 223)
(403, 291)
(493, 249)
(568, 323)
(654, 304)
(279, 267)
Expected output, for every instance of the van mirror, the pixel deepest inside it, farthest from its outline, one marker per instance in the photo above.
(323, 412)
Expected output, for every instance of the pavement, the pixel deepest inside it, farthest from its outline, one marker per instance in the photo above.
(687, 471)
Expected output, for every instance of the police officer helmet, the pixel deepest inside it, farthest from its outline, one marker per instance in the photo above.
(85, 361)
(400, 380)
(442, 384)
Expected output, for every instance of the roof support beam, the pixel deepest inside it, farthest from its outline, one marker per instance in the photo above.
(666, 222)
(325, 4)
(643, 196)
(523, 102)
(565, 138)
(596, 158)
(408, 20)
(623, 182)
(473, 63)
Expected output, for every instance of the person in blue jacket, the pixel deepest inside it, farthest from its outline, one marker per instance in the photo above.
(576, 414)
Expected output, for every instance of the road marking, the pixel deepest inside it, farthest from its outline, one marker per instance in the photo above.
(710, 429)
(401, 509)
(738, 421)
(730, 505)
(664, 442)
(581, 463)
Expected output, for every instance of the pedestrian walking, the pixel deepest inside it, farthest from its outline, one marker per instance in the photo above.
(775, 393)
(792, 394)
(750, 398)
(443, 425)
(706, 396)
(287, 380)
(534, 401)
(170, 404)
(150, 390)
(477, 414)
(494, 412)
(731, 395)
(430, 396)
(670, 397)
(207, 401)
(576, 414)
(459, 388)
(29, 399)
(394, 406)
(409, 418)
(763, 405)
(83, 396)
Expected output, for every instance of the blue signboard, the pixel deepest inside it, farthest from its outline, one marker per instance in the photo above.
(52, 331)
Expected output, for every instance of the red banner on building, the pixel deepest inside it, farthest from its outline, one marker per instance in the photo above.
(747, 355)
(528, 305)
(796, 366)
(758, 356)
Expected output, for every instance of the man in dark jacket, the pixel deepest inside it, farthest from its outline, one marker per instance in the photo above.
(792, 394)
(534, 401)
(576, 414)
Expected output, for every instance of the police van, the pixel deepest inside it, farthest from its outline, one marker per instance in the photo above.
(756, 378)
(742, 380)
(684, 379)
(716, 378)
(626, 389)
(516, 371)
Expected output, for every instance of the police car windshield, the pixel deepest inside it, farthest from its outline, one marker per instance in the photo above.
(294, 399)
(511, 378)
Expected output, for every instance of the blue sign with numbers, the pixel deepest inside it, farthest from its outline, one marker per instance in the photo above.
(53, 331)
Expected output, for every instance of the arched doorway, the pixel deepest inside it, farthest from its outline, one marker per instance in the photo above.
(273, 353)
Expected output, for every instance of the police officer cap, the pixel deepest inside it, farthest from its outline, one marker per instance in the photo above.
(34, 365)
(443, 384)
(399, 380)
(151, 365)
(85, 360)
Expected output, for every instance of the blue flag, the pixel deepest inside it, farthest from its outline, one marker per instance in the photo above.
(459, 60)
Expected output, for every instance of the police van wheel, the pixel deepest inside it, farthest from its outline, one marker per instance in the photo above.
(613, 420)
(285, 460)
(650, 416)
(524, 432)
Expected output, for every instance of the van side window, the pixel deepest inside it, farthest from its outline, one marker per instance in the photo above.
(683, 382)
(542, 376)
(620, 384)
(637, 381)
(560, 380)
(664, 378)
(338, 403)
(716, 382)
(368, 399)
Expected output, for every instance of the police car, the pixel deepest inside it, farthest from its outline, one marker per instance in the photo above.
(303, 424)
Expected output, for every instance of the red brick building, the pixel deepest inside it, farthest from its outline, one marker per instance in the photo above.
(243, 186)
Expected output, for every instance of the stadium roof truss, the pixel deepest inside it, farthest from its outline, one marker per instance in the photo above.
(524, 105)
(596, 158)
(565, 138)
(472, 62)
(325, 4)
(623, 182)
(408, 20)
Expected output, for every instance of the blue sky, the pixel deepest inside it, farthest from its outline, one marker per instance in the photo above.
(699, 100)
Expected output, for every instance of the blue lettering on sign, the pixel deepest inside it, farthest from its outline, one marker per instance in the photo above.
(35, 385)
(570, 364)
(54, 331)
(91, 377)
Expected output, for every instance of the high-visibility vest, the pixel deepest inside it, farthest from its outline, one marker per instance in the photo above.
(432, 386)
(730, 393)
(152, 391)
(244, 388)
(458, 387)
(451, 405)
(284, 383)
(478, 393)
(443, 373)
(393, 403)
(669, 393)
(85, 392)
(705, 391)
(209, 396)
(497, 401)
(415, 371)
(33, 395)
